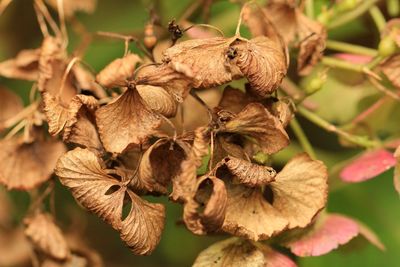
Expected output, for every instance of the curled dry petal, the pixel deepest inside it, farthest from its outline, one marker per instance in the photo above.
(258, 123)
(125, 121)
(234, 100)
(368, 165)
(158, 100)
(300, 190)
(328, 233)
(211, 218)
(45, 235)
(250, 215)
(159, 165)
(10, 104)
(391, 68)
(24, 166)
(118, 71)
(184, 185)
(84, 174)
(235, 252)
(250, 174)
(23, 67)
(263, 62)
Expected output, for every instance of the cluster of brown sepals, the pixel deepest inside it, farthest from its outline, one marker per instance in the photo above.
(115, 125)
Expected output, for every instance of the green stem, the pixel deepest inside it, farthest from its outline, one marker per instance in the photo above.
(393, 7)
(374, 62)
(353, 14)
(378, 17)
(302, 138)
(337, 63)
(355, 139)
(350, 48)
(310, 8)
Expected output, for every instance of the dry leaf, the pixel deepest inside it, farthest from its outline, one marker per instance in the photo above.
(300, 190)
(248, 173)
(23, 67)
(213, 203)
(72, 6)
(46, 236)
(125, 121)
(91, 185)
(234, 100)
(26, 165)
(328, 233)
(258, 123)
(118, 71)
(391, 68)
(159, 165)
(85, 81)
(10, 104)
(367, 166)
(184, 185)
(158, 100)
(262, 61)
(243, 253)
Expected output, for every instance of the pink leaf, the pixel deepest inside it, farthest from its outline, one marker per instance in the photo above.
(353, 58)
(368, 165)
(335, 230)
(397, 170)
(276, 259)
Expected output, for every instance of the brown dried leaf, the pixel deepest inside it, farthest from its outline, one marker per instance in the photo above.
(158, 100)
(10, 104)
(72, 6)
(24, 166)
(391, 68)
(214, 200)
(184, 185)
(86, 81)
(300, 190)
(236, 252)
(118, 71)
(258, 123)
(250, 174)
(250, 215)
(46, 236)
(234, 100)
(262, 61)
(23, 67)
(159, 165)
(85, 175)
(125, 121)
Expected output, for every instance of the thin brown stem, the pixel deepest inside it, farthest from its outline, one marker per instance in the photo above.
(46, 14)
(65, 75)
(383, 89)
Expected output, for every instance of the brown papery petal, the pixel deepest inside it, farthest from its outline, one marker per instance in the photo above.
(82, 172)
(159, 165)
(248, 173)
(118, 71)
(205, 59)
(214, 201)
(158, 100)
(250, 215)
(184, 185)
(24, 166)
(300, 190)
(312, 35)
(86, 81)
(143, 227)
(391, 68)
(23, 67)
(125, 121)
(45, 235)
(236, 252)
(234, 100)
(10, 104)
(263, 62)
(257, 122)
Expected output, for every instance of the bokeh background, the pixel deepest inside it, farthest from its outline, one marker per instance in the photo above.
(374, 202)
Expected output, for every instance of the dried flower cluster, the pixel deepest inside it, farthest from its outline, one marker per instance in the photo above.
(114, 137)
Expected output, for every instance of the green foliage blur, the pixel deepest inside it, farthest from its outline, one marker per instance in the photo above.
(374, 202)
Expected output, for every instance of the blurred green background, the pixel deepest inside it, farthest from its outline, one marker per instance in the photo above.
(374, 202)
